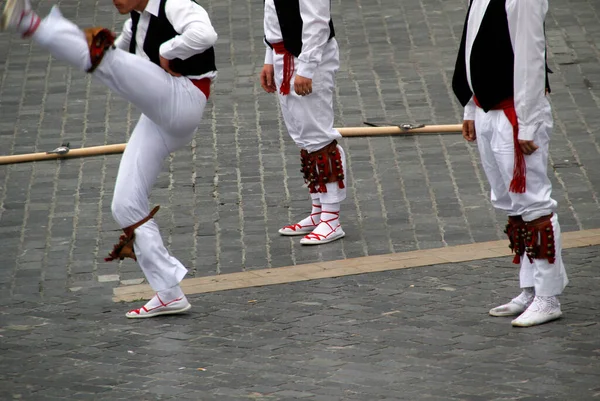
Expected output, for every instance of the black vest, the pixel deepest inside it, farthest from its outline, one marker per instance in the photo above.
(160, 30)
(492, 60)
(290, 21)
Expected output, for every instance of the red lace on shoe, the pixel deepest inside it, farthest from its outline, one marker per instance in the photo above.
(33, 24)
(297, 226)
(162, 305)
(321, 237)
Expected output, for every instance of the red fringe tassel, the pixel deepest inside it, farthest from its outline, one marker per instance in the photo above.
(518, 183)
(288, 67)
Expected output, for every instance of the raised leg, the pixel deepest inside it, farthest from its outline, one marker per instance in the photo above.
(173, 103)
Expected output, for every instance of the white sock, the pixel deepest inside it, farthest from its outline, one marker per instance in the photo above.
(165, 296)
(525, 297)
(315, 215)
(329, 219)
(544, 304)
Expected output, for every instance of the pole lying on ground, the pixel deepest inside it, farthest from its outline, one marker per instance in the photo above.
(396, 130)
(90, 151)
(119, 148)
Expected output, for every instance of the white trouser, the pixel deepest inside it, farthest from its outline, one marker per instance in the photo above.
(496, 147)
(309, 119)
(172, 109)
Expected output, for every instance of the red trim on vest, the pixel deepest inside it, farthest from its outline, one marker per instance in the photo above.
(288, 67)
(518, 183)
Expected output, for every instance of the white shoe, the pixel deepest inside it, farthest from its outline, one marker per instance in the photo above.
(510, 309)
(319, 239)
(297, 229)
(541, 310)
(178, 305)
(305, 226)
(14, 12)
(516, 306)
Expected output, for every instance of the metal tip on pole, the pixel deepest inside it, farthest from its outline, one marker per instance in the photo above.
(61, 150)
(403, 127)
(408, 127)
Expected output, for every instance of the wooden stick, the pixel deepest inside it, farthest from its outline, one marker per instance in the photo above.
(119, 148)
(393, 130)
(90, 151)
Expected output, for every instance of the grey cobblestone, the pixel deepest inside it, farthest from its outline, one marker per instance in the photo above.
(224, 197)
(400, 335)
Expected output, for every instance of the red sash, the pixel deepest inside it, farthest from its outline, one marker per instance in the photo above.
(202, 84)
(518, 183)
(288, 67)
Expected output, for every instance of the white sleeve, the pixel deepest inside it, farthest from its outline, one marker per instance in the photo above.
(268, 54)
(196, 33)
(470, 110)
(122, 42)
(529, 44)
(315, 34)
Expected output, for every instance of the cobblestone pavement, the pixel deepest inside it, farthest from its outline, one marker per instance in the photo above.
(224, 197)
(416, 334)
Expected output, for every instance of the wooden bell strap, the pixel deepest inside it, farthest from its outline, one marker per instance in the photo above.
(308, 171)
(515, 230)
(539, 241)
(325, 166)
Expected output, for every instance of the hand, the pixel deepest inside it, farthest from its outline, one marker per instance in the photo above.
(527, 147)
(267, 78)
(302, 86)
(164, 63)
(468, 130)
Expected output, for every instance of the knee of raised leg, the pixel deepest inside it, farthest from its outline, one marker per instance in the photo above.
(121, 209)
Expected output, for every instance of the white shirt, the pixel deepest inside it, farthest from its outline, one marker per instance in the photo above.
(190, 20)
(526, 26)
(316, 15)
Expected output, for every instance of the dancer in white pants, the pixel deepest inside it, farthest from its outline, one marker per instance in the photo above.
(174, 34)
(501, 79)
(303, 54)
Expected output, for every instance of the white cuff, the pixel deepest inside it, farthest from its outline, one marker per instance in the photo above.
(269, 56)
(527, 132)
(470, 110)
(306, 70)
(166, 50)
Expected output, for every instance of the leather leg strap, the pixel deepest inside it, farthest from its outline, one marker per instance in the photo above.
(124, 248)
(99, 41)
(539, 239)
(308, 171)
(515, 230)
(322, 167)
(532, 238)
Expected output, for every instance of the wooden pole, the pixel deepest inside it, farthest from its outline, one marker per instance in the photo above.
(119, 148)
(394, 130)
(90, 151)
